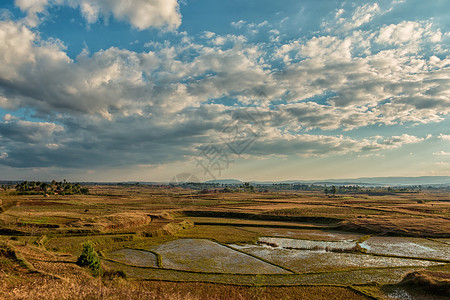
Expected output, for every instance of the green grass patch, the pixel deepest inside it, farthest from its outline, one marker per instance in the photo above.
(222, 234)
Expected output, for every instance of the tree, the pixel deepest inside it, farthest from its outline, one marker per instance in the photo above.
(89, 258)
(248, 187)
(44, 187)
(333, 190)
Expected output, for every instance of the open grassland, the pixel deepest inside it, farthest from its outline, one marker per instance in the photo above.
(172, 243)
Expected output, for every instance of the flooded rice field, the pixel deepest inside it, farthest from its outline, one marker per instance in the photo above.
(319, 235)
(289, 243)
(204, 255)
(411, 247)
(278, 255)
(134, 257)
(308, 261)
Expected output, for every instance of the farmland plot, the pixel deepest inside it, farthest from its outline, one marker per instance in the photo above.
(202, 255)
(308, 261)
(134, 257)
(411, 247)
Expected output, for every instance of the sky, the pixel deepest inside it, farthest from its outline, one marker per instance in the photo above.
(149, 90)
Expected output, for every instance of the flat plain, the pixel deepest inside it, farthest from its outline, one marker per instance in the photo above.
(169, 242)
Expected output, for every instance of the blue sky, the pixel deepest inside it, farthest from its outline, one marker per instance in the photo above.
(144, 90)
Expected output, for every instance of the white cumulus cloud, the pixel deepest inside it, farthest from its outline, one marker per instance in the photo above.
(441, 153)
(141, 14)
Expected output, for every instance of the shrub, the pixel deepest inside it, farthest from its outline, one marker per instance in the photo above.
(89, 258)
(114, 274)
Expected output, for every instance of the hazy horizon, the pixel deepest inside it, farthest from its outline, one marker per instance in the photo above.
(188, 177)
(252, 90)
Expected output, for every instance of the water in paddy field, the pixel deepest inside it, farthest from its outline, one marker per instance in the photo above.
(277, 255)
(134, 257)
(307, 244)
(282, 251)
(204, 255)
(410, 247)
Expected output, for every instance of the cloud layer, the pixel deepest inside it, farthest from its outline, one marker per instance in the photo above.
(120, 107)
(141, 14)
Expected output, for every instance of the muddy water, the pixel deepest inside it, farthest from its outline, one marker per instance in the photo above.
(134, 257)
(307, 244)
(307, 261)
(203, 255)
(411, 247)
(304, 256)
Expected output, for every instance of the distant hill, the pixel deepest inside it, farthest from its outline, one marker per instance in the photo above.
(422, 180)
(383, 181)
(225, 181)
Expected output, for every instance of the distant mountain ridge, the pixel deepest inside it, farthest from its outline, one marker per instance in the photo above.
(421, 180)
(368, 181)
(225, 181)
(391, 181)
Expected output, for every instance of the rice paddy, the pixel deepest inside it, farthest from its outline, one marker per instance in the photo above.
(301, 256)
(409, 247)
(307, 244)
(201, 255)
(134, 257)
(309, 261)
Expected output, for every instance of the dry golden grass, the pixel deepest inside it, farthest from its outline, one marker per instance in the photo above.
(121, 220)
(418, 226)
(46, 288)
(116, 208)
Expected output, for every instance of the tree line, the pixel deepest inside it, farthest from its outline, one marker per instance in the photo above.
(57, 188)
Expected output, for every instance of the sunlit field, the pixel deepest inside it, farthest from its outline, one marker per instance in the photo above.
(170, 242)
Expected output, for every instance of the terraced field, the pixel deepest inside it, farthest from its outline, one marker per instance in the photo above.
(258, 240)
(270, 256)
